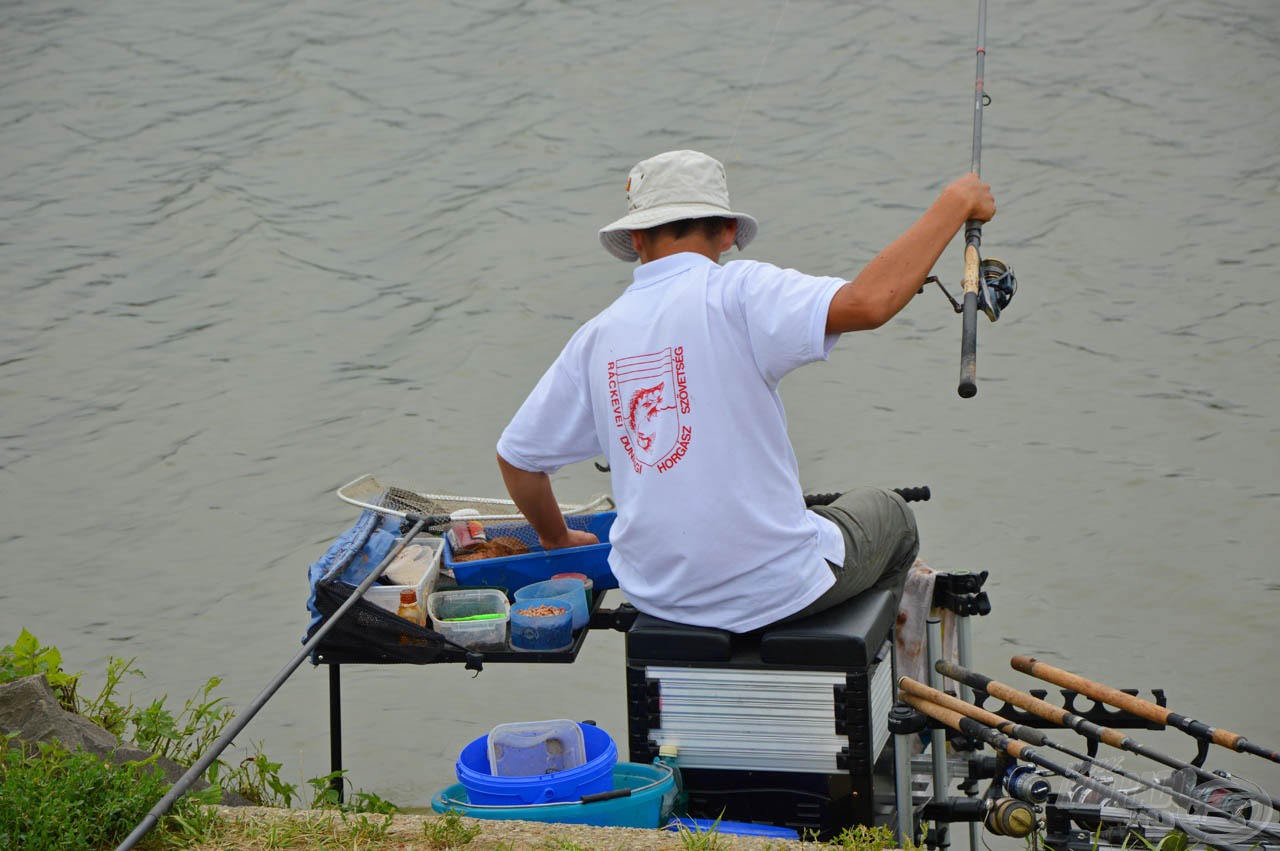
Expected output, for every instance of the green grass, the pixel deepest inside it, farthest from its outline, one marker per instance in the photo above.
(52, 799)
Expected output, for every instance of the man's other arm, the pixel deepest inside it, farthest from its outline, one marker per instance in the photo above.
(896, 274)
(532, 494)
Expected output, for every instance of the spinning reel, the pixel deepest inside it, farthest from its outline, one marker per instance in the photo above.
(996, 286)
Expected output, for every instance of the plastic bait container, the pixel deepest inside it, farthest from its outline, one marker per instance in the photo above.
(531, 748)
(592, 777)
(635, 799)
(473, 617)
(546, 633)
(569, 592)
(581, 577)
(388, 596)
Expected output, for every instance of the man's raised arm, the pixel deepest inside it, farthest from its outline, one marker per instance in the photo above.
(895, 275)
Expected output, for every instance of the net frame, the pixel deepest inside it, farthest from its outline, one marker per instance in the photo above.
(372, 493)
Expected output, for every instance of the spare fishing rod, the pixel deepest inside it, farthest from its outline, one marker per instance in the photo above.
(988, 285)
(1083, 726)
(183, 783)
(1036, 737)
(1142, 708)
(1026, 753)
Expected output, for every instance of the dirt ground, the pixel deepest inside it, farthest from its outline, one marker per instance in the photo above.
(407, 832)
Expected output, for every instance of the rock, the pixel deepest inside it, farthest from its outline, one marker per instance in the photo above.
(30, 710)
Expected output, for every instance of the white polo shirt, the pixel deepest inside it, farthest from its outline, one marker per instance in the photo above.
(676, 384)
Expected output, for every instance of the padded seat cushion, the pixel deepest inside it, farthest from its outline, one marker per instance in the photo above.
(845, 636)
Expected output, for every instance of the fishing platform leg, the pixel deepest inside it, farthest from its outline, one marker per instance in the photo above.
(335, 730)
(938, 738)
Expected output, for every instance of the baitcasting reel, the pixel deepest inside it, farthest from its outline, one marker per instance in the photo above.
(996, 286)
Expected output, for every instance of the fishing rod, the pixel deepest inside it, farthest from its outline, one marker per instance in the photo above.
(1083, 726)
(1141, 708)
(1036, 737)
(988, 284)
(1026, 753)
(179, 788)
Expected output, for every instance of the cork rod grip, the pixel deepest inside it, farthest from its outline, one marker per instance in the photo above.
(956, 721)
(1028, 702)
(1106, 694)
(977, 713)
(972, 262)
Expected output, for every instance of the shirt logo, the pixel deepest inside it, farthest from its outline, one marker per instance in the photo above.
(649, 394)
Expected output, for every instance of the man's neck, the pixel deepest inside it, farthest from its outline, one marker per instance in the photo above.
(695, 244)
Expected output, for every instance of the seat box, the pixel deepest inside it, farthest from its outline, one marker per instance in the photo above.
(787, 725)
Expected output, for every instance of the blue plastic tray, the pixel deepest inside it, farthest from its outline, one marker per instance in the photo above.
(737, 828)
(512, 572)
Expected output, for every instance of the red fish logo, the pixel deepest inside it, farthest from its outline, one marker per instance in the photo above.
(649, 393)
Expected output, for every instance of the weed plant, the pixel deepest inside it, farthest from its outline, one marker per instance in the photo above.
(449, 831)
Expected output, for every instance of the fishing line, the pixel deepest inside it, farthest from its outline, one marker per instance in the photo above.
(764, 60)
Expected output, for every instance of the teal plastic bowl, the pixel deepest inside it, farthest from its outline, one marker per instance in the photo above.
(651, 792)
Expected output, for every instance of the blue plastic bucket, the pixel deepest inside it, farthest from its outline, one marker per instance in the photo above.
(649, 786)
(591, 778)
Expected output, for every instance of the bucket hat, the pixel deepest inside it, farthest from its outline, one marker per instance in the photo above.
(672, 186)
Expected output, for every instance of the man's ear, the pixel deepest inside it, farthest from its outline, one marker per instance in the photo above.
(637, 240)
(728, 235)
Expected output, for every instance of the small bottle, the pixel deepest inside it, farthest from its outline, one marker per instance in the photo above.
(667, 756)
(409, 608)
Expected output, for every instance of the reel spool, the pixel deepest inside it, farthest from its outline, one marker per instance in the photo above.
(1010, 817)
(996, 286)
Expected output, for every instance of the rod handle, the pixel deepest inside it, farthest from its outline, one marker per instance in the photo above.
(1030, 703)
(941, 698)
(1122, 700)
(956, 721)
(968, 387)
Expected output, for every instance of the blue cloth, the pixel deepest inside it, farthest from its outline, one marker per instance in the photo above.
(353, 556)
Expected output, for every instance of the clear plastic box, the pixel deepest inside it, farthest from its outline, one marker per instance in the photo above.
(388, 596)
(530, 748)
(487, 633)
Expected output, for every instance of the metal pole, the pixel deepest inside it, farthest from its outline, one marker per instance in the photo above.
(903, 744)
(242, 720)
(938, 742)
(902, 789)
(964, 638)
